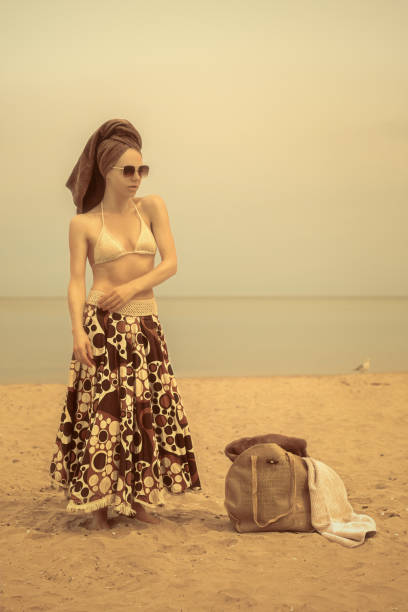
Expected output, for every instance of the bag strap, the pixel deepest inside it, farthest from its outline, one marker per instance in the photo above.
(292, 497)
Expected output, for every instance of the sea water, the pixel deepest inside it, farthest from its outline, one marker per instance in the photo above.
(224, 336)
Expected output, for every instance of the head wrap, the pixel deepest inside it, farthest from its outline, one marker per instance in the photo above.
(103, 149)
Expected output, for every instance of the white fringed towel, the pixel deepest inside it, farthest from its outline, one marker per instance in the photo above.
(332, 514)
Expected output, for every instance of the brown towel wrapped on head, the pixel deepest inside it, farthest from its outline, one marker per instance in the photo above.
(103, 149)
(297, 446)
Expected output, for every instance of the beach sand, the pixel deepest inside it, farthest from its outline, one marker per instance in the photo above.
(194, 560)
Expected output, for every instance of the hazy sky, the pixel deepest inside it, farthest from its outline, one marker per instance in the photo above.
(275, 131)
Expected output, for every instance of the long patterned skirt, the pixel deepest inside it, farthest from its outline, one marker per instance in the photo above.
(123, 437)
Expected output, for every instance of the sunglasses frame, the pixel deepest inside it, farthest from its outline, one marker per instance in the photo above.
(136, 169)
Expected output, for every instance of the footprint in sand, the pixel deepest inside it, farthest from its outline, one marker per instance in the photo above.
(179, 517)
(360, 500)
(196, 550)
(236, 596)
(229, 541)
(379, 383)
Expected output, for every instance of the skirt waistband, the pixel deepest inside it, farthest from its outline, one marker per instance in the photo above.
(139, 308)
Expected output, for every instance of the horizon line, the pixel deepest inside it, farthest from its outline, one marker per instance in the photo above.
(220, 296)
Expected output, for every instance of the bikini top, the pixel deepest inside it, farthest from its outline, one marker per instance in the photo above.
(108, 249)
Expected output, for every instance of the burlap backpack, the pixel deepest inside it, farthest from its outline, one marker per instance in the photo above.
(266, 490)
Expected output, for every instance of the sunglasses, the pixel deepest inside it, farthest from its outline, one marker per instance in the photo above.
(131, 170)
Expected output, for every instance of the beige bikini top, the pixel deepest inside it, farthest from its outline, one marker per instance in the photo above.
(108, 249)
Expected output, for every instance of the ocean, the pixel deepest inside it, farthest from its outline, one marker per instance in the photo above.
(224, 336)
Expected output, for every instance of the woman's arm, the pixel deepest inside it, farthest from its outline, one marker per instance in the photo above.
(165, 242)
(78, 247)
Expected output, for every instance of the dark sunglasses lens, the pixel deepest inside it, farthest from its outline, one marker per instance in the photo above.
(130, 171)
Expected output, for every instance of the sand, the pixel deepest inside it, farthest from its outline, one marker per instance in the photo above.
(194, 560)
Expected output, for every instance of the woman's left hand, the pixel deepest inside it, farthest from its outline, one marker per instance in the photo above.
(117, 297)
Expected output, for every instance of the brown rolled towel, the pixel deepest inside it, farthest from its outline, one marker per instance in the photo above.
(297, 446)
(103, 149)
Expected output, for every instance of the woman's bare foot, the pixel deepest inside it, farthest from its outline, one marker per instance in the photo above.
(142, 515)
(100, 519)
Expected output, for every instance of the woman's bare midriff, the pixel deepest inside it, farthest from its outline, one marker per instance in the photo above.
(108, 275)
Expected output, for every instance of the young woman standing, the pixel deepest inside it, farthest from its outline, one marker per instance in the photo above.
(124, 437)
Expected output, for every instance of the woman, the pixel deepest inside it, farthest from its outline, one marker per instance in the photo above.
(123, 437)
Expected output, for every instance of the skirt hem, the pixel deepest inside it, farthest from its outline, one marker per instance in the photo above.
(107, 501)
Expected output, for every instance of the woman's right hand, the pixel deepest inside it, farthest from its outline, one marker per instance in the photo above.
(83, 349)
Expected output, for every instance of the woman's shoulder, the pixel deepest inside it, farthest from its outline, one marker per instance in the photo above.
(152, 204)
(153, 199)
(83, 222)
